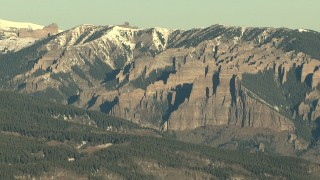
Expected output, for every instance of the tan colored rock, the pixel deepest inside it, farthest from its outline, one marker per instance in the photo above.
(309, 68)
(49, 30)
(304, 110)
(316, 113)
(261, 147)
(316, 79)
(220, 109)
(212, 67)
(253, 113)
(298, 143)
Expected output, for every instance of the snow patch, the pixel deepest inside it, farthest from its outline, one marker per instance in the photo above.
(243, 29)
(82, 144)
(236, 40)
(11, 42)
(156, 40)
(264, 35)
(218, 40)
(71, 159)
(302, 30)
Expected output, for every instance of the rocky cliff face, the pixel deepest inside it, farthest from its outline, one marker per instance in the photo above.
(49, 30)
(174, 79)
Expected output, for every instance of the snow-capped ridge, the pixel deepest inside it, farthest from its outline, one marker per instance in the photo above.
(8, 25)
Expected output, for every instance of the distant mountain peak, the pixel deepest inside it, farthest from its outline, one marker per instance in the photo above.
(17, 35)
(7, 25)
(303, 30)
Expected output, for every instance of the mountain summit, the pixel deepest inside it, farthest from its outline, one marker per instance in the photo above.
(16, 35)
(9, 25)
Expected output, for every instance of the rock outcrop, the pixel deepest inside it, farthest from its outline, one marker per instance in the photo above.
(46, 31)
(172, 78)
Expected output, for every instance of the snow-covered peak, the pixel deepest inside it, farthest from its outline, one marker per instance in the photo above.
(121, 35)
(302, 30)
(83, 27)
(8, 25)
(124, 28)
(86, 25)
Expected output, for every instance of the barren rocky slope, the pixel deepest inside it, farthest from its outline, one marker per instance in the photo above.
(179, 80)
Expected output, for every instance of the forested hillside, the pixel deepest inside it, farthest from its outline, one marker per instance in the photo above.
(43, 139)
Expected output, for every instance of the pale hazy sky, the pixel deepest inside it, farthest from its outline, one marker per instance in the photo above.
(174, 14)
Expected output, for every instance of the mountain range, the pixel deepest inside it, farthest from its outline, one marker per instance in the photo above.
(236, 88)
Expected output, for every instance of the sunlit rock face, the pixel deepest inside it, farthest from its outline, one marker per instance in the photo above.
(175, 79)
